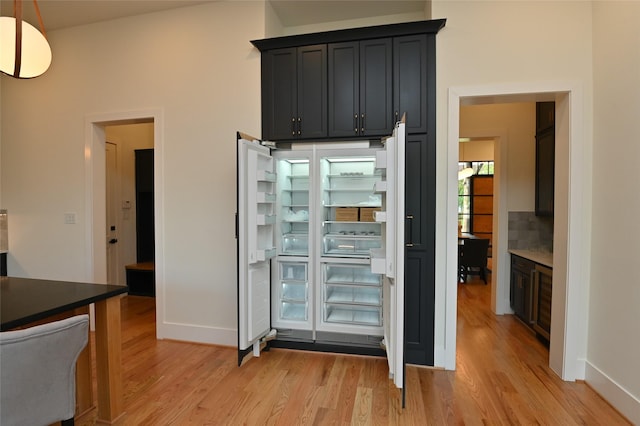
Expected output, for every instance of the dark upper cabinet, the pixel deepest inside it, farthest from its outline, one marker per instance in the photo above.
(410, 76)
(545, 158)
(294, 93)
(360, 87)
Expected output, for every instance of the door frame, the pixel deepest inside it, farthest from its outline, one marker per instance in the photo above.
(567, 351)
(95, 196)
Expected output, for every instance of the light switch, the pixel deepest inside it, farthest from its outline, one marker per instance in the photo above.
(126, 204)
(70, 218)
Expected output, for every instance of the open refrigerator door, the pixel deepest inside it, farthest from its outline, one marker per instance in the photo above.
(255, 221)
(389, 260)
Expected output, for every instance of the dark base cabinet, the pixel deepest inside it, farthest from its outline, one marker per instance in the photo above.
(531, 287)
(522, 287)
(3, 264)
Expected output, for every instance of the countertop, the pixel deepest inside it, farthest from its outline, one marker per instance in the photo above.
(542, 257)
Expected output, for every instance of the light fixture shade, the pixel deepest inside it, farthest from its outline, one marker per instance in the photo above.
(36, 52)
(465, 173)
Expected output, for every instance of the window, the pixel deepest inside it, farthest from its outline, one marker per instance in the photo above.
(465, 207)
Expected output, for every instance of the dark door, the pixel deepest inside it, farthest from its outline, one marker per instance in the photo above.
(344, 89)
(410, 81)
(376, 102)
(420, 254)
(279, 94)
(145, 234)
(312, 92)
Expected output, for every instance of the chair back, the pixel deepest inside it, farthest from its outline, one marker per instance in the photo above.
(37, 371)
(474, 253)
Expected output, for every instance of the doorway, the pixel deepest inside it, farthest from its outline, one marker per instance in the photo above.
(567, 343)
(127, 235)
(95, 194)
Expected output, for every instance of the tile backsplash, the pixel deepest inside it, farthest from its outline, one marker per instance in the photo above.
(530, 232)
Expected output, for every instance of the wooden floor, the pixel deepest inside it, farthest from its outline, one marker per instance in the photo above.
(501, 378)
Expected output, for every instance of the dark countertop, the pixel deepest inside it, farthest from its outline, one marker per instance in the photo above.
(25, 300)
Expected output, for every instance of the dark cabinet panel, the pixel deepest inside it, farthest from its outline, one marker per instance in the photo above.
(360, 87)
(545, 157)
(545, 174)
(521, 297)
(419, 308)
(410, 81)
(294, 93)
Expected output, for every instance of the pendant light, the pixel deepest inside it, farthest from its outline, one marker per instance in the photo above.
(24, 51)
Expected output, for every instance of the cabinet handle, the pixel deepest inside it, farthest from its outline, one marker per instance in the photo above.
(362, 123)
(299, 125)
(396, 117)
(293, 126)
(355, 123)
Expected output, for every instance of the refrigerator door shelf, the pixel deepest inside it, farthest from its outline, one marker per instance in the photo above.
(380, 216)
(267, 198)
(380, 186)
(265, 219)
(266, 176)
(381, 160)
(378, 261)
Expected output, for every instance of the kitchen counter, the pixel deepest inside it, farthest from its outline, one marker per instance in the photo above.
(542, 257)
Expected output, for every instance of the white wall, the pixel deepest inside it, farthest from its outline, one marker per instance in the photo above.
(476, 150)
(196, 65)
(614, 340)
(128, 138)
(517, 120)
(546, 44)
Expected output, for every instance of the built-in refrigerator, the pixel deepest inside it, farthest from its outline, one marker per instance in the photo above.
(320, 254)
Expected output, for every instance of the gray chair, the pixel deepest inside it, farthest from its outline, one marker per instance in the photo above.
(38, 372)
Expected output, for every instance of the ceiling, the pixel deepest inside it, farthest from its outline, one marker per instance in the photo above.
(58, 14)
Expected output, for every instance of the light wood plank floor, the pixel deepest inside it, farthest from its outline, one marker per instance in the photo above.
(502, 378)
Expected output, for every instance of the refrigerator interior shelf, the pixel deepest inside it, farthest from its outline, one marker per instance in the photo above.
(358, 277)
(350, 189)
(293, 311)
(353, 176)
(340, 314)
(296, 205)
(369, 296)
(295, 190)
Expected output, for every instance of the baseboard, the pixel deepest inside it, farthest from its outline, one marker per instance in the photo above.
(198, 334)
(623, 401)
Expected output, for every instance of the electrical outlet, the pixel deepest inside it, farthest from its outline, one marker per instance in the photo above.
(70, 218)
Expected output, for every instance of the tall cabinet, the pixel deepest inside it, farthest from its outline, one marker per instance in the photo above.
(367, 79)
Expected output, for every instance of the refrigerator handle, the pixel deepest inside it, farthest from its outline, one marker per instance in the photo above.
(236, 225)
(409, 229)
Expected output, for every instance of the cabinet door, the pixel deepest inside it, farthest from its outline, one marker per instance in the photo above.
(545, 164)
(312, 92)
(376, 102)
(279, 94)
(410, 81)
(344, 89)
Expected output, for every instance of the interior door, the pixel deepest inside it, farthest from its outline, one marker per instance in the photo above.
(255, 233)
